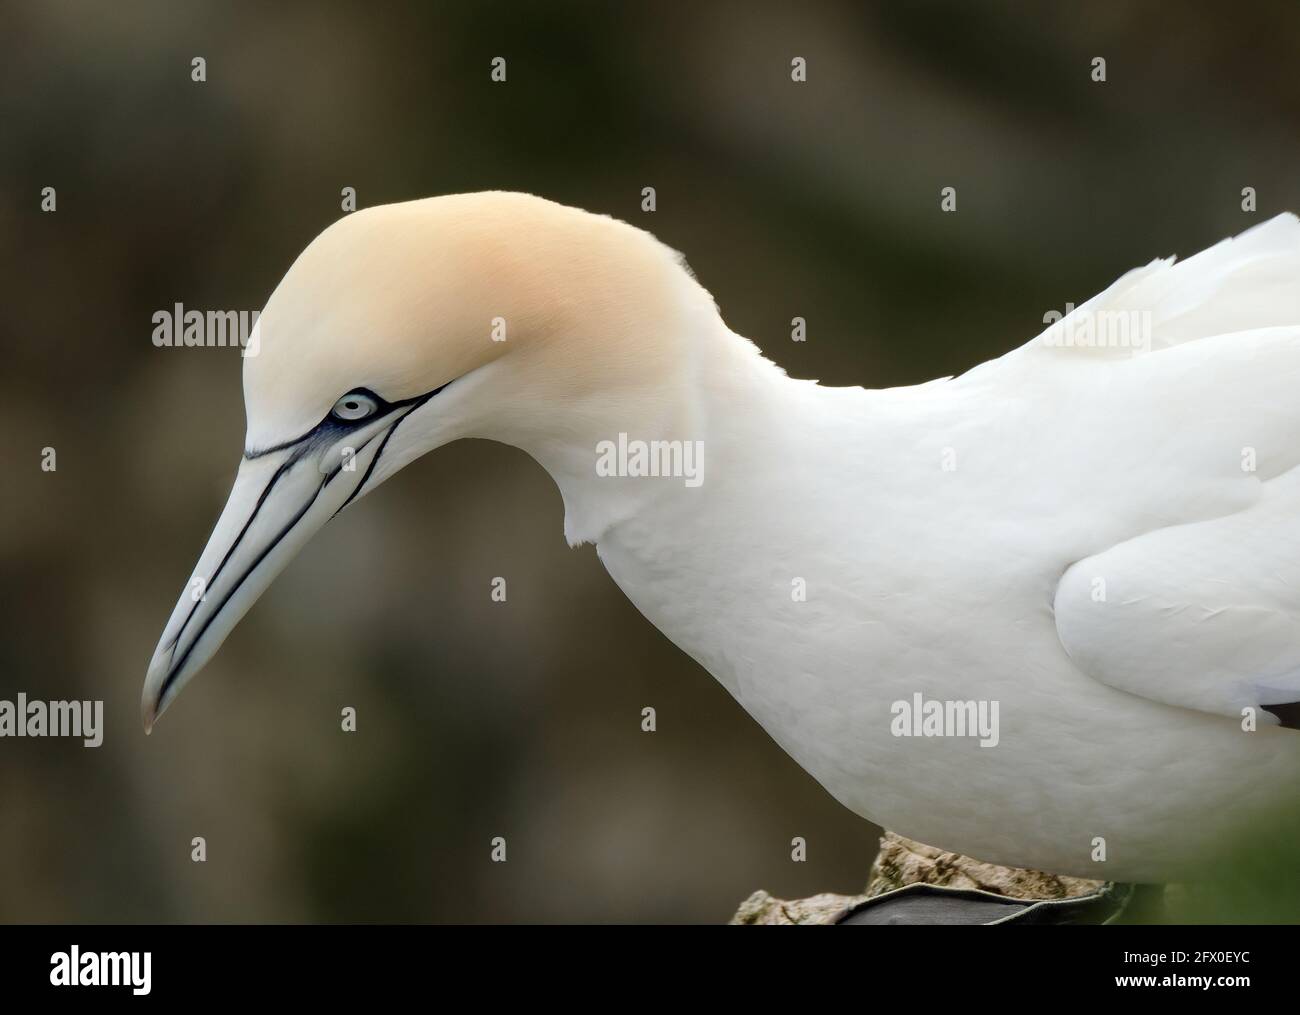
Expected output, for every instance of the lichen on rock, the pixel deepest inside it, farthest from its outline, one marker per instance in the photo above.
(903, 861)
(900, 862)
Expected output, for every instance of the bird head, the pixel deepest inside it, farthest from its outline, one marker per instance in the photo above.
(404, 327)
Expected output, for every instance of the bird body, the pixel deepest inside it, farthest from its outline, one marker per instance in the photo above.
(1093, 541)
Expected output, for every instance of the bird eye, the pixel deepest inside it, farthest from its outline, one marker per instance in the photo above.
(354, 406)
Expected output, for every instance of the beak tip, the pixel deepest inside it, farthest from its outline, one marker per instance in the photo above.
(153, 696)
(151, 707)
(148, 711)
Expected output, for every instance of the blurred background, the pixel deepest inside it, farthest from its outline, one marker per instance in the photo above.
(818, 200)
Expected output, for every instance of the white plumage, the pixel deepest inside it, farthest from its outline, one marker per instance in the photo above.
(1098, 535)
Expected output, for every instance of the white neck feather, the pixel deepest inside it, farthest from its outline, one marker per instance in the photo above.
(723, 392)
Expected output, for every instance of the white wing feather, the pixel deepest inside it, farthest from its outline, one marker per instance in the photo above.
(1206, 615)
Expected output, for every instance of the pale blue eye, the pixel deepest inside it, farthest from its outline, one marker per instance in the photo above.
(354, 406)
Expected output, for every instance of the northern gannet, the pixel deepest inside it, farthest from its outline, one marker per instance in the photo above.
(1098, 537)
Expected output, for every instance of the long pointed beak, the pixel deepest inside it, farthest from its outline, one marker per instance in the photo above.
(280, 499)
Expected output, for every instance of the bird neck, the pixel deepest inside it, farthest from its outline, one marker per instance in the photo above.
(623, 454)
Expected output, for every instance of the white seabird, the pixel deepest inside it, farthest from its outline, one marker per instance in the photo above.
(1097, 535)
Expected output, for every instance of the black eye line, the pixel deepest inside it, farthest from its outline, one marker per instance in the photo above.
(413, 403)
(382, 408)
